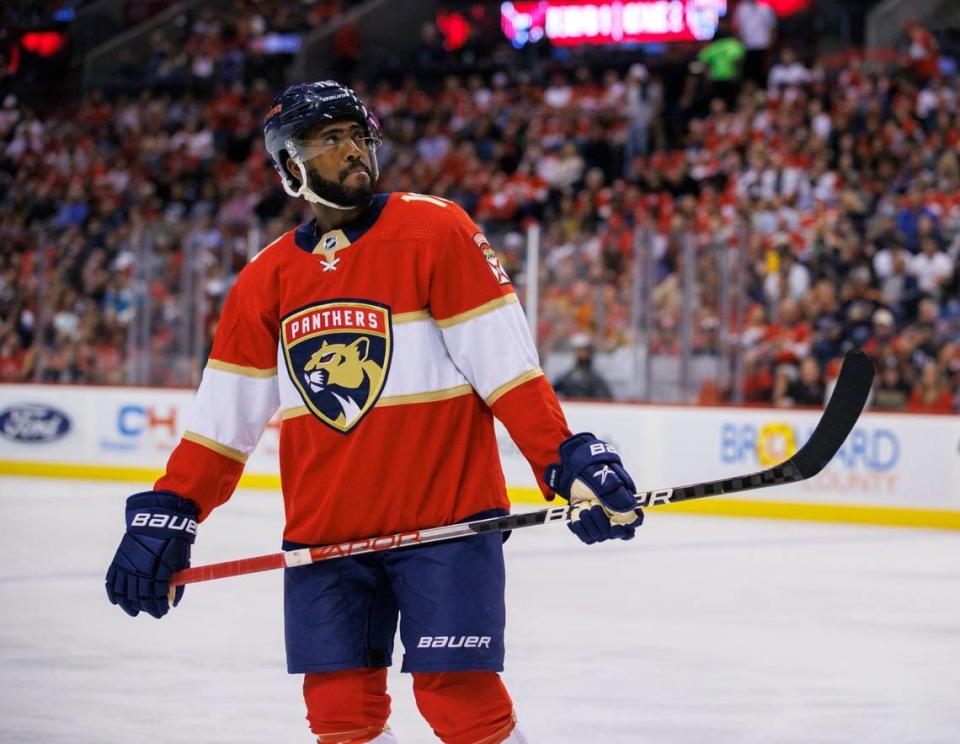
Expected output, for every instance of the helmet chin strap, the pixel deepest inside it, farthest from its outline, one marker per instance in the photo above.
(307, 193)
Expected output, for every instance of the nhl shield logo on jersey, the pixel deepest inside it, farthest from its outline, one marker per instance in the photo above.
(338, 357)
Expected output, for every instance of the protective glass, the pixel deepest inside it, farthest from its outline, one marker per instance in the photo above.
(307, 149)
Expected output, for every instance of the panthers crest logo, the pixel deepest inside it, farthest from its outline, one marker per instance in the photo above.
(338, 356)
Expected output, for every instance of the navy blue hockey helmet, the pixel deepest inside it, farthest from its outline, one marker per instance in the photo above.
(302, 107)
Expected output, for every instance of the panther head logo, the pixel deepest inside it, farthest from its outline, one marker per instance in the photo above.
(343, 372)
(338, 356)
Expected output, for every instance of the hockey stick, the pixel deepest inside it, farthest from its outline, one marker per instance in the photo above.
(842, 412)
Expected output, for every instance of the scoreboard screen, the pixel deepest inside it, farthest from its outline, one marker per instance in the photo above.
(575, 22)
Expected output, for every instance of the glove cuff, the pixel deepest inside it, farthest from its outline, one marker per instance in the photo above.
(576, 452)
(558, 476)
(162, 514)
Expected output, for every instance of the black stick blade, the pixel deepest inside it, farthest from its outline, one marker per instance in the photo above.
(843, 410)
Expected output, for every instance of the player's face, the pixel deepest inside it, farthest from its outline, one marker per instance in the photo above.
(339, 162)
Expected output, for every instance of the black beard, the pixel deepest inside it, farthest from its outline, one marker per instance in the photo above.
(337, 193)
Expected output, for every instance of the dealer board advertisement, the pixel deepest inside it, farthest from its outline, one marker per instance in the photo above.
(896, 460)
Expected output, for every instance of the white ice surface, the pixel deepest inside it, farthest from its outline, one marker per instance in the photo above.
(701, 631)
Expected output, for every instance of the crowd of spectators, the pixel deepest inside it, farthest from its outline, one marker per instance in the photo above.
(219, 48)
(831, 186)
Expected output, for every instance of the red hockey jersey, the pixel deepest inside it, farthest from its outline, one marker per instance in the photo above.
(387, 346)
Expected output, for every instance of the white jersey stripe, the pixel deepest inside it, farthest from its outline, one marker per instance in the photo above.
(216, 416)
(420, 363)
(492, 349)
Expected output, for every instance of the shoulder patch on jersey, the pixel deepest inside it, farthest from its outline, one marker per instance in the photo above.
(338, 357)
(493, 261)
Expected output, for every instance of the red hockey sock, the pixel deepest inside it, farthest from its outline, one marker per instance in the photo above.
(352, 704)
(465, 707)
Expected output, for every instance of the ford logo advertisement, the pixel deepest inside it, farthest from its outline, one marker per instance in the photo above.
(33, 423)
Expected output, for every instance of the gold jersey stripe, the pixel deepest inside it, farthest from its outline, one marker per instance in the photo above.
(411, 317)
(396, 400)
(222, 449)
(515, 382)
(478, 311)
(294, 412)
(433, 395)
(239, 369)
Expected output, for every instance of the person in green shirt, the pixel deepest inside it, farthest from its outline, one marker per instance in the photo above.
(722, 60)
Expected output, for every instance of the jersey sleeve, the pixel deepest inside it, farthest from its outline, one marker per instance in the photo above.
(238, 395)
(486, 334)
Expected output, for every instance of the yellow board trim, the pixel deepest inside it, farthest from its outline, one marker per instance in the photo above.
(433, 395)
(483, 309)
(294, 412)
(515, 382)
(119, 473)
(239, 369)
(212, 444)
(891, 516)
(260, 480)
(78, 471)
(411, 317)
(943, 519)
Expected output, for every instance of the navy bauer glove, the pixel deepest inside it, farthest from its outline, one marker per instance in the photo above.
(591, 477)
(161, 527)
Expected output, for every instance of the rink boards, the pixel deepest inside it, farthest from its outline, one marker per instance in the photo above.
(900, 469)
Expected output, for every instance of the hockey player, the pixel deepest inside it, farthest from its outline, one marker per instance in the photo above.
(388, 335)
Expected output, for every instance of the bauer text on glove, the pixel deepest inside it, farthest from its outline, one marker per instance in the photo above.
(161, 527)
